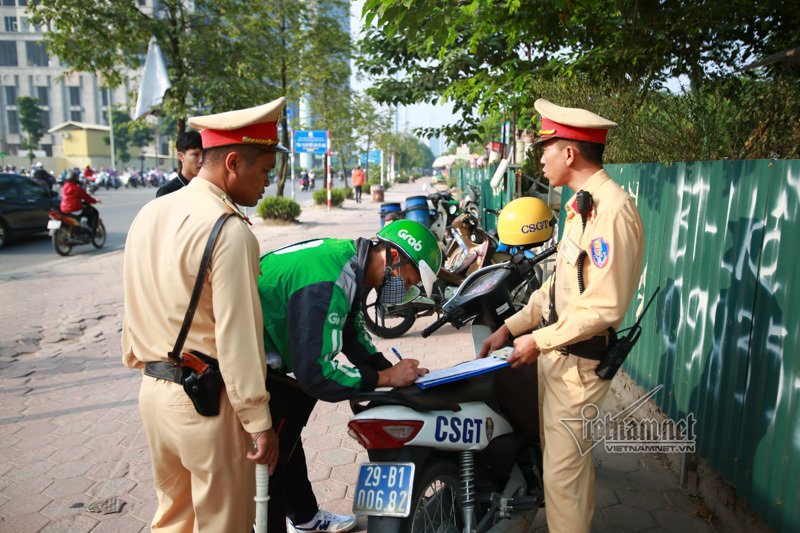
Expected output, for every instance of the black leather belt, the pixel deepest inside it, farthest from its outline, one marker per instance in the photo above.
(594, 348)
(164, 370)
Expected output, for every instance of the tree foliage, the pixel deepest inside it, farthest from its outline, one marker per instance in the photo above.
(210, 63)
(410, 153)
(30, 120)
(220, 54)
(373, 125)
(484, 55)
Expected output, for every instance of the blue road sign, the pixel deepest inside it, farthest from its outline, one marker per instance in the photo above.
(311, 142)
(374, 158)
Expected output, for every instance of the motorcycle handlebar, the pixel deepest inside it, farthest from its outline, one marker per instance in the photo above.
(444, 319)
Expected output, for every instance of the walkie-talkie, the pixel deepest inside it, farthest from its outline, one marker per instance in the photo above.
(584, 201)
(620, 347)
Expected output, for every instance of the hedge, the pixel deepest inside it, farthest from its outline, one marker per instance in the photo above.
(279, 207)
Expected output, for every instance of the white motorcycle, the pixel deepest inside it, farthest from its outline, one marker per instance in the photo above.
(461, 456)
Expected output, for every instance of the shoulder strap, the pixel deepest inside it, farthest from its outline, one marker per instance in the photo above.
(175, 354)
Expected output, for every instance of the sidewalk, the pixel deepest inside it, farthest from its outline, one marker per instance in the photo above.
(70, 433)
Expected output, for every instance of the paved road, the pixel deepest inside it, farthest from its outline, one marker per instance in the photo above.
(71, 436)
(118, 207)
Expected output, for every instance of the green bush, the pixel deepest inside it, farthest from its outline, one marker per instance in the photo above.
(365, 188)
(321, 197)
(278, 207)
(402, 178)
(349, 193)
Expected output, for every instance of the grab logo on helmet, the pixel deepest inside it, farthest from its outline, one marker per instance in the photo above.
(413, 242)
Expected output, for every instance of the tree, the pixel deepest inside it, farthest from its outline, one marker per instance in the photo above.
(410, 153)
(211, 65)
(312, 60)
(30, 119)
(373, 125)
(483, 54)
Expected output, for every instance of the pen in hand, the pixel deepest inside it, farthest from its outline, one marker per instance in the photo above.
(397, 353)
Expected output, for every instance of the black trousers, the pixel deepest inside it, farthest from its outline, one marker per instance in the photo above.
(290, 494)
(91, 214)
(358, 193)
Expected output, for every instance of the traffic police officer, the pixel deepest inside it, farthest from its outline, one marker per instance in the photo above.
(204, 466)
(603, 241)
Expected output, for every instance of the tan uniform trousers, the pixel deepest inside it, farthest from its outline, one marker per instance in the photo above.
(566, 385)
(203, 479)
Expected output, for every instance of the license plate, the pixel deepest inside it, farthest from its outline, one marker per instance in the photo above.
(384, 489)
(53, 224)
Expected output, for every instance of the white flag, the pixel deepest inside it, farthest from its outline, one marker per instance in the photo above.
(154, 81)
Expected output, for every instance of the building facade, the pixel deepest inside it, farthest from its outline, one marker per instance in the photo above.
(27, 69)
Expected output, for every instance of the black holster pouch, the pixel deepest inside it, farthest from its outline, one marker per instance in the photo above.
(202, 382)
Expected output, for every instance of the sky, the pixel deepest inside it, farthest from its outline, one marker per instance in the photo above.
(416, 116)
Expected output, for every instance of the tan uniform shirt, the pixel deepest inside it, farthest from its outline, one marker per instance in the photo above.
(614, 242)
(162, 256)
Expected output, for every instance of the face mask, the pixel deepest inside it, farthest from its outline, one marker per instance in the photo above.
(393, 291)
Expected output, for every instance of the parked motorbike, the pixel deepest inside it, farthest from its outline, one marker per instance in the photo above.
(67, 231)
(471, 203)
(469, 248)
(444, 209)
(459, 456)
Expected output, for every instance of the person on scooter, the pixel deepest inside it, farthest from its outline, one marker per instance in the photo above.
(77, 202)
(42, 177)
(311, 293)
(303, 180)
(597, 271)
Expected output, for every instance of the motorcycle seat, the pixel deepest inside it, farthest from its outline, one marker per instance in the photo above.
(476, 389)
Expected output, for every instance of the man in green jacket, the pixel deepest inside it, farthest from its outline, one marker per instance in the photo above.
(311, 295)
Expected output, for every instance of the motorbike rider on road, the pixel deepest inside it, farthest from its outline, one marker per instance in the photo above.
(77, 202)
(311, 294)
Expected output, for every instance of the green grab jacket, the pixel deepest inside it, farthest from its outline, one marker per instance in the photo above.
(311, 294)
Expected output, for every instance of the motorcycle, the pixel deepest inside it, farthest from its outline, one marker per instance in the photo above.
(471, 202)
(469, 248)
(459, 456)
(67, 231)
(443, 209)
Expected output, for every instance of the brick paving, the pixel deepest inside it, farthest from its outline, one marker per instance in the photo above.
(70, 432)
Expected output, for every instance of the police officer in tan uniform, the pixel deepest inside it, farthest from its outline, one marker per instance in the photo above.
(604, 239)
(204, 466)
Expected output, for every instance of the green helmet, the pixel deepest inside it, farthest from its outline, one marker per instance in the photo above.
(418, 244)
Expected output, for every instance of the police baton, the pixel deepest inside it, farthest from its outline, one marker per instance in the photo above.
(261, 498)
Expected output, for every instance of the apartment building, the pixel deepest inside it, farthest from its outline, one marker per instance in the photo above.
(26, 69)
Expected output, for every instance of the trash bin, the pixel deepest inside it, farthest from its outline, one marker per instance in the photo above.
(417, 209)
(390, 211)
(377, 193)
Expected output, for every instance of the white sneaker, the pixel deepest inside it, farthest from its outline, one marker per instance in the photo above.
(326, 522)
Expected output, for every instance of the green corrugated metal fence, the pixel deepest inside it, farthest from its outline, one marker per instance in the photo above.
(722, 242)
(480, 178)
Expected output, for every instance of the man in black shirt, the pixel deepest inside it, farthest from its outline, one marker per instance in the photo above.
(190, 156)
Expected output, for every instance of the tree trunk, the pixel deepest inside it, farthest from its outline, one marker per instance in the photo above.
(282, 166)
(344, 167)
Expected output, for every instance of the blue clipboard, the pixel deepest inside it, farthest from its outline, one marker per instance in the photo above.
(468, 369)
